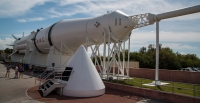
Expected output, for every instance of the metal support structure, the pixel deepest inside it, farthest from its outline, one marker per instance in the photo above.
(31, 56)
(60, 54)
(110, 52)
(104, 55)
(113, 55)
(109, 55)
(157, 82)
(128, 57)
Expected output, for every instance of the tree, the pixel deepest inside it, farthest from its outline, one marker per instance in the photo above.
(167, 58)
(8, 51)
(142, 50)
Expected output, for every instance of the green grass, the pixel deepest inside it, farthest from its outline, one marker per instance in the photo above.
(173, 87)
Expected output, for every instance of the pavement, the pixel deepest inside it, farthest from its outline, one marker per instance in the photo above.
(14, 90)
(24, 90)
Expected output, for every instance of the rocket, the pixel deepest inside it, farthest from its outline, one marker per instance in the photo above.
(67, 36)
(72, 34)
(58, 43)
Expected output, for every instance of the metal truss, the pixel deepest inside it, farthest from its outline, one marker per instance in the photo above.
(110, 64)
(140, 20)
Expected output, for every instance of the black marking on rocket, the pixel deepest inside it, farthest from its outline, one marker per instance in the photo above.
(115, 21)
(35, 41)
(119, 21)
(49, 33)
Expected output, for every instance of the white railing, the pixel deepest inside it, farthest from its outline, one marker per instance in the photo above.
(45, 75)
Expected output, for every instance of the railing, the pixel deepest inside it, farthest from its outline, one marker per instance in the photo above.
(44, 76)
(172, 87)
(53, 72)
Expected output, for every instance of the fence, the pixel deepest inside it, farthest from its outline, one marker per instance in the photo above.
(173, 87)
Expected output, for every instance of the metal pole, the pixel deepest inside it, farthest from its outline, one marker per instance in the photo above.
(128, 55)
(87, 43)
(61, 91)
(96, 55)
(114, 58)
(60, 55)
(30, 57)
(157, 52)
(104, 55)
(173, 88)
(123, 55)
(180, 12)
(118, 54)
(108, 61)
(194, 90)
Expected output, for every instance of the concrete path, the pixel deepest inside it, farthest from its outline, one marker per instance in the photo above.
(14, 90)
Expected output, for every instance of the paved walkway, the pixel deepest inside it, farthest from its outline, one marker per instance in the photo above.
(24, 90)
(14, 90)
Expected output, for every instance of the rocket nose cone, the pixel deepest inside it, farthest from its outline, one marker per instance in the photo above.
(120, 24)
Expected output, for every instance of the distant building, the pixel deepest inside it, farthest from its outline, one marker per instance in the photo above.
(132, 64)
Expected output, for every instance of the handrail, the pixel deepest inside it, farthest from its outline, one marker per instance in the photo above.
(49, 75)
(54, 71)
(40, 75)
(62, 74)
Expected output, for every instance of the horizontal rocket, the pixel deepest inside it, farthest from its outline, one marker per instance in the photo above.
(72, 33)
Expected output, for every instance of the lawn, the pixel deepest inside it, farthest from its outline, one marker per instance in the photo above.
(173, 87)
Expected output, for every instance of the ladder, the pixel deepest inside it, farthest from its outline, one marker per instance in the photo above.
(49, 86)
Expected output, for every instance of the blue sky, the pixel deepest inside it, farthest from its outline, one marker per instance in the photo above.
(182, 34)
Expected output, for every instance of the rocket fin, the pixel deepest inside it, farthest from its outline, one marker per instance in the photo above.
(14, 37)
(10, 45)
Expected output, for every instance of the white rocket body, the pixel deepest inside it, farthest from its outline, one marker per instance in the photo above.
(72, 33)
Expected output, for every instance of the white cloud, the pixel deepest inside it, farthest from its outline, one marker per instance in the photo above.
(31, 19)
(179, 46)
(67, 2)
(182, 53)
(61, 8)
(11, 8)
(131, 7)
(5, 41)
(142, 36)
(56, 14)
